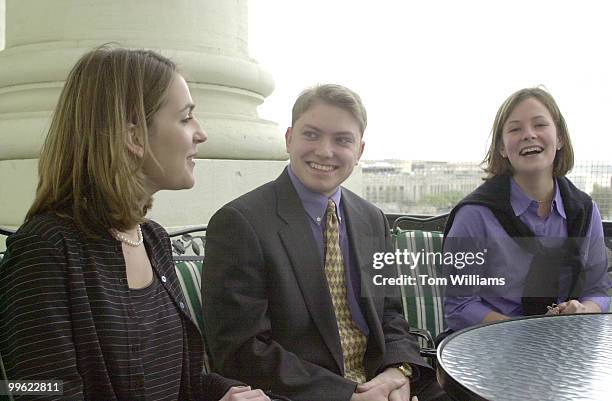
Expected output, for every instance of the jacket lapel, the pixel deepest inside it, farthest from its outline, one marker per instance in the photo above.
(301, 248)
(363, 245)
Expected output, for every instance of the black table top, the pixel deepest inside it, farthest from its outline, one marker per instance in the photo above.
(565, 357)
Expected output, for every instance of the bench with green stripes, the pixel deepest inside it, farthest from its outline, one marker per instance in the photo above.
(423, 304)
(188, 254)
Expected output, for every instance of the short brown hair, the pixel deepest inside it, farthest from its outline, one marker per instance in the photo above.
(495, 164)
(334, 95)
(85, 170)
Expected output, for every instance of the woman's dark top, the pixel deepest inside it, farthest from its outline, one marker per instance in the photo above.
(66, 314)
(160, 340)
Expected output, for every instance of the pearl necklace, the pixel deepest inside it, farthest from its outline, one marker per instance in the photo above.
(122, 237)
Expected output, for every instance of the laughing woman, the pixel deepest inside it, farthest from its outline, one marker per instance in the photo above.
(88, 291)
(544, 235)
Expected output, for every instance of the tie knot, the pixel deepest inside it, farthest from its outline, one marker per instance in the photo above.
(331, 207)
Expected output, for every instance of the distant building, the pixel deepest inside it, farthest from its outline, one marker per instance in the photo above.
(433, 187)
(585, 175)
(421, 187)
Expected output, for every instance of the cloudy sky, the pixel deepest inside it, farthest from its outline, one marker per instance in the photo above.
(433, 73)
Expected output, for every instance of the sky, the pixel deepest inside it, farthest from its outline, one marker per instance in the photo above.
(433, 73)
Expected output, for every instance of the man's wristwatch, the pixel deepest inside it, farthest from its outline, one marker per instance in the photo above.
(406, 369)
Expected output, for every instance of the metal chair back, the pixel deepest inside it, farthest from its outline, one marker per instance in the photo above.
(423, 223)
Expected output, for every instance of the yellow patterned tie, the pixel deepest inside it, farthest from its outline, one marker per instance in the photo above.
(352, 340)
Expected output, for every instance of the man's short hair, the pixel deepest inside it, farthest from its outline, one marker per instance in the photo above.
(333, 95)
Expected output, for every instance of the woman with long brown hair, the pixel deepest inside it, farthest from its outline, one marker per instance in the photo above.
(88, 291)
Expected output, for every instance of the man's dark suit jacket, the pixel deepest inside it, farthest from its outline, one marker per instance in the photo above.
(268, 313)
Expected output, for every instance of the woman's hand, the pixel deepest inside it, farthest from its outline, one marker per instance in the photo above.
(575, 306)
(244, 393)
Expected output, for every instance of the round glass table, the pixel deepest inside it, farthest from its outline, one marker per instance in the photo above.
(564, 357)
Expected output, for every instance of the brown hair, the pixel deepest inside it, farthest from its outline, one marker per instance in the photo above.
(334, 95)
(85, 169)
(495, 164)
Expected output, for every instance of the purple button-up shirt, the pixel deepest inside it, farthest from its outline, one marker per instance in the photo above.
(315, 205)
(512, 262)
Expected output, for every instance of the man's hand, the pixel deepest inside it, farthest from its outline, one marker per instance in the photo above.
(390, 385)
(402, 393)
(378, 392)
(244, 393)
(575, 306)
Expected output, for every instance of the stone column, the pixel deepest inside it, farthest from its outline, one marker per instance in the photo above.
(207, 38)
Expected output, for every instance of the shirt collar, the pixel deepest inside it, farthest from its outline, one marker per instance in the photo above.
(520, 201)
(558, 201)
(314, 203)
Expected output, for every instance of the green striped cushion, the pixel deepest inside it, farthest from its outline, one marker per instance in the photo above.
(190, 276)
(423, 305)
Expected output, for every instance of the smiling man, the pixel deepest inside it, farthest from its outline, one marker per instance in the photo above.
(286, 301)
